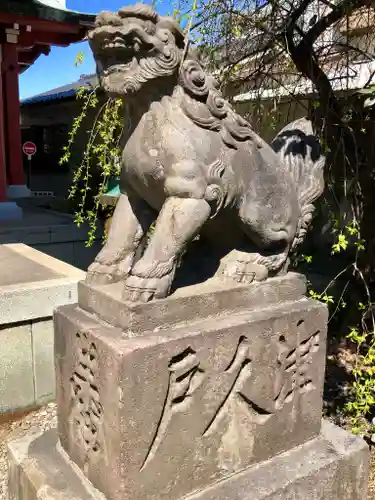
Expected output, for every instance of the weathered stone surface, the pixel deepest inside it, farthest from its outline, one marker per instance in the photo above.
(191, 159)
(43, 361)
(16, 268)
(40, 283)
(168, 413)
(208, 300)
(32, 284)
(37, 470)
(16, 368)
(331, 467)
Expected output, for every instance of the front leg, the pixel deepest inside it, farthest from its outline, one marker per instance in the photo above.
(178, 223)
(130, 221)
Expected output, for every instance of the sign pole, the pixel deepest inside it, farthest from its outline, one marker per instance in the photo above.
(29, 148)
(29, 158)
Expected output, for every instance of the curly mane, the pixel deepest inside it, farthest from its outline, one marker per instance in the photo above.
(143, 11)
(204, 104)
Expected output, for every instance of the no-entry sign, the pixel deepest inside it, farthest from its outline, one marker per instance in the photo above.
(29, 148)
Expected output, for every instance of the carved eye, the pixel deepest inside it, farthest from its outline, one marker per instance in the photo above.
(149, 28)
(163, 35)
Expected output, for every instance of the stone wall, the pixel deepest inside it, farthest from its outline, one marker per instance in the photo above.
(26, 364)
(32, 284)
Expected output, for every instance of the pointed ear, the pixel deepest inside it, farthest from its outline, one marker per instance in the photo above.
(172, 25)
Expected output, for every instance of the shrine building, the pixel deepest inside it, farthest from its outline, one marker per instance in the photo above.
(28, 28)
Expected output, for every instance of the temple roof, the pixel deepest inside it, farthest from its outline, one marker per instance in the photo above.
(66, 91)
(48, 10)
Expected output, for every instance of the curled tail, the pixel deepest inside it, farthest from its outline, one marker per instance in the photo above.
(300, 152)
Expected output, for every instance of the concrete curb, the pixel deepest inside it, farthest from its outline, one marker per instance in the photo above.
(27, 376)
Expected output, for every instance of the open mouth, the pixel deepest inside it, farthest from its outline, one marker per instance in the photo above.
(117, 43)
(115, 55)
(118, 67)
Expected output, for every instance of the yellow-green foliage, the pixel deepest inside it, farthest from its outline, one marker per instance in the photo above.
(101, 155)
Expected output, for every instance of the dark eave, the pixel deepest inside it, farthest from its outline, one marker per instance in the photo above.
(26, 58)
(40, 26)
(12, 10)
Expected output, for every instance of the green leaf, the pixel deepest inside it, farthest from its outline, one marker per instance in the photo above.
(79, 59)
(367, 90)
(341, 244)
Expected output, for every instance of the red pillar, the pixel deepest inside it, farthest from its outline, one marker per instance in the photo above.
(13, 139)
(3, 166)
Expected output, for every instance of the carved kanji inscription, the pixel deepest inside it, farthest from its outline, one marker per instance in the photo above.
(241, 369)
(294, 364)
(87, 410)
(185, 376)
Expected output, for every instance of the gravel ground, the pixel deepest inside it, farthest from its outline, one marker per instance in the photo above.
(44, 418)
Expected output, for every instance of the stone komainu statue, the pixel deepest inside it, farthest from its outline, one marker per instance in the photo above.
(191, 161)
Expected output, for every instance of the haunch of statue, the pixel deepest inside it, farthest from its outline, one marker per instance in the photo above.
(189, 158)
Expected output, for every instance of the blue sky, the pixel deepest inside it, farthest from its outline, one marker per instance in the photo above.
(58, 68)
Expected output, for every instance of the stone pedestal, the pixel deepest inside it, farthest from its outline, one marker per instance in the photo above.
(212, 392)
(332, 466)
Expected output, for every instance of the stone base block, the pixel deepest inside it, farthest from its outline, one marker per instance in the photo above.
(208, 300)
(331, 467)
(164, 414)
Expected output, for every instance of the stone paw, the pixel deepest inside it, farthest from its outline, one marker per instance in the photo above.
(253, 272)
(105, 272)
(241, 271)
(139, 289)
(122, 269)
(101, 274)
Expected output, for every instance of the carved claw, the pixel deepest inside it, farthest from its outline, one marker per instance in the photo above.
(123, 268)
(100, 274)
(139, 289)
(255, 272)
(241, 271)
(98, 267)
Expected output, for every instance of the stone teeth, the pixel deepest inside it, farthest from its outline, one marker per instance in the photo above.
(117, 68)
